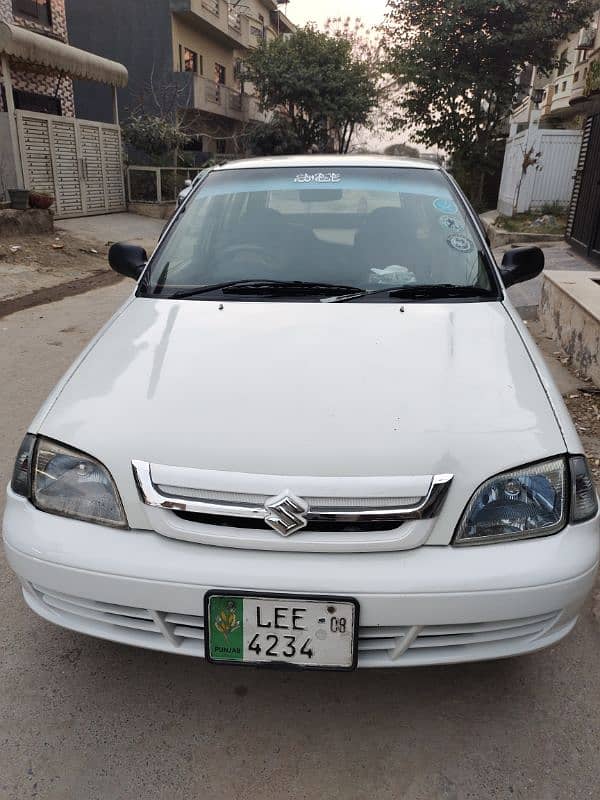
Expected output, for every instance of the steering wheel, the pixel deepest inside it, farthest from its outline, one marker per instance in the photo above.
(250, 257)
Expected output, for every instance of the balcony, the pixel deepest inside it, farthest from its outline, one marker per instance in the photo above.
(558, 95)
(585, 97)
(254, 114)
(216, 18)
(546, 106)
(218, 99)
(226, 102)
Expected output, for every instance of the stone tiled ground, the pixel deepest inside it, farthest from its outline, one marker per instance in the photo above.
(559, 255)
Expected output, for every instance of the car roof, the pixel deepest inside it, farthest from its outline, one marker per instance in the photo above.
(328, 161)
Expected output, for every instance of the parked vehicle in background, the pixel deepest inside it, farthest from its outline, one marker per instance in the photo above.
(189, 185)
(317, 435)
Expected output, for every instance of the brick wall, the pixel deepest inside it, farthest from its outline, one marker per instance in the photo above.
(41, 81)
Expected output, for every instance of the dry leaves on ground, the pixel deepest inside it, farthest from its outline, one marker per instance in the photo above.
(585, 410)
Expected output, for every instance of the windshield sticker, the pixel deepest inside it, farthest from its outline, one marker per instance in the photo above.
(394, 275)
(451, 223)
(460, 243)
(318, 177)
(445, 205)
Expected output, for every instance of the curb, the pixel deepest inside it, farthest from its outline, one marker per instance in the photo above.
(499, 237)
(41, 297)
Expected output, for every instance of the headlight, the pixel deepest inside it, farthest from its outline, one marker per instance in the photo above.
(526, 502)
(63, 481)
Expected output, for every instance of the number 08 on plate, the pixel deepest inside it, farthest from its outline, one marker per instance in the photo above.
(309, 633)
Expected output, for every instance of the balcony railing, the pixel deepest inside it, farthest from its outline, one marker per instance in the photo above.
(212, 6)
(220, 99)
(592, 81)
(234, 21)
(235, 100)
(220, 16)
(212, 92)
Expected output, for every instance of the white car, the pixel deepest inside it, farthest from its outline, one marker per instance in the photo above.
(189, 184)
(317, 434)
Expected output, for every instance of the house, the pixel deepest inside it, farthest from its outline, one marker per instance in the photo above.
(43, 145)
(558, 117)
(184, 58)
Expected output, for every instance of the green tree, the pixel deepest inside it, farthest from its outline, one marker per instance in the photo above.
(155, 136)
(316, 82)
(273, 138)
(458, 60)
(402, 150)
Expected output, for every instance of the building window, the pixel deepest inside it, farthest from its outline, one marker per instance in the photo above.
(31, 101)
(563, 87)
(220, 74)
(38, 10)
(562, 62)
(195, 143)
(221, 146)
(191, 62)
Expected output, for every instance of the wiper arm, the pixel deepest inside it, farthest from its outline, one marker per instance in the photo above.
(259, 286)
(431, 291)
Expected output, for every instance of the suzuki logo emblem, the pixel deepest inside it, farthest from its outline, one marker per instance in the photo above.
(286, 513)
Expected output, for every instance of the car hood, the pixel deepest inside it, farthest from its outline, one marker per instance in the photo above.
(312, 389)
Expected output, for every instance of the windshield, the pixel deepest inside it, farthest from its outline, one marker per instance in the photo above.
(347, 228)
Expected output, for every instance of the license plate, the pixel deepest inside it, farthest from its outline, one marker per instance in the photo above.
(309, 633)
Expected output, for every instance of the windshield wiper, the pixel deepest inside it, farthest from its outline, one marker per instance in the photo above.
(267, 287)
(418, 291)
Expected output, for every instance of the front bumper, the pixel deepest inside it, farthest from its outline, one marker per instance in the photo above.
(430, 605)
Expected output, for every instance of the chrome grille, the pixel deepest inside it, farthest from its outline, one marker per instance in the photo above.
(245, 499)
(319, 526)
(164, 495)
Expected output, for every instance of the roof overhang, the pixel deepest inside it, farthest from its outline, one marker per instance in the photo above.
(34, 48)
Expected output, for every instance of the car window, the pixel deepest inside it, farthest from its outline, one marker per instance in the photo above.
(357, 226)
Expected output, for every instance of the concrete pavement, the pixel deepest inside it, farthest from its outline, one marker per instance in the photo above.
(109, 228)
(84, 719)
(558, 256)
(37, 269)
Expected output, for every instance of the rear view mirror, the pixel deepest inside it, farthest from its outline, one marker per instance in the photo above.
(320, 195)
(521, 264)
(127, 259)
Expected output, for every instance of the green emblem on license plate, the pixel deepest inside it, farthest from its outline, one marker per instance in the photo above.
(226, 620)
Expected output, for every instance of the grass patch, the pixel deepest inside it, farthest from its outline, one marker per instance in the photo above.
(554, 221)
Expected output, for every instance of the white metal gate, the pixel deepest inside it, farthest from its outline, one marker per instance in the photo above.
(77, 161)
(551, 181)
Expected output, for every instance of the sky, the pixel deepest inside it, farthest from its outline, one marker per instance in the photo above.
(301, 11)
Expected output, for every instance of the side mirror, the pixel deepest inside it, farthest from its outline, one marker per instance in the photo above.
(187, 182)
(521, 264)
(127, 259)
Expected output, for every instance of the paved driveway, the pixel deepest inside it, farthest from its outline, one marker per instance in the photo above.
(111, 228)
(83, 719)
(558, 256)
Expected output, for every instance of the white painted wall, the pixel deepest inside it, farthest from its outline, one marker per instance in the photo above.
(551, 181)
